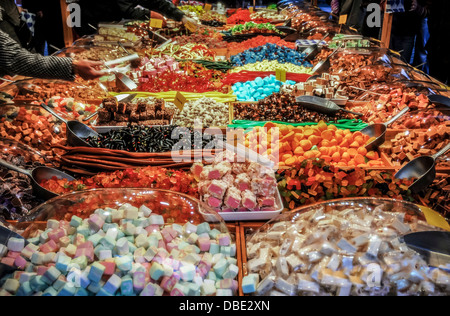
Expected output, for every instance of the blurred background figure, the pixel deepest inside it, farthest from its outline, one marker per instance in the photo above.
(95, 11)
(438, 46)
(10, 18)
(406, 27)
(48, 36)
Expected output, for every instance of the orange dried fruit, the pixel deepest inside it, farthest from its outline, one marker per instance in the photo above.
(306, 144)
(327, 134)
(336, 157)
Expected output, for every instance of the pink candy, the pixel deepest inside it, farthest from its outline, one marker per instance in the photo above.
(20, 262)
(168, 283)
(204, 243)
(56, 234)
(224, 240)
(110, 267)
(49, 246)
(8, 261)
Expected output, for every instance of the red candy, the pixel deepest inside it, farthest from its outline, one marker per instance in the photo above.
(259, 41)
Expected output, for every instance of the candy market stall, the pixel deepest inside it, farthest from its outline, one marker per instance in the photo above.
(235, 156)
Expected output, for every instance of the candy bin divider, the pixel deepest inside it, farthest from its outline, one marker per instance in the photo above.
(244, 227)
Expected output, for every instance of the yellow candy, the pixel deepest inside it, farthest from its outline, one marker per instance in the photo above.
(273, 66)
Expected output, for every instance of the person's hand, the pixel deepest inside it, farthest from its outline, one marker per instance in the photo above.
(88, 69)
(157, 16)
(186, 20)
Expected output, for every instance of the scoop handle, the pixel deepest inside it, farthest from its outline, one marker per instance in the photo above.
(50, 110)
(441, 152)
(351, 112)
(399, 115)
(10, 166)
(122, 60)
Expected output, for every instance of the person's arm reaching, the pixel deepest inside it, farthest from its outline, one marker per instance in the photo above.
(14, 60)
(130, 10)
(165, 7)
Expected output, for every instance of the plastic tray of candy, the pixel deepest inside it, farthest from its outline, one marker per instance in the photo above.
(149, 231)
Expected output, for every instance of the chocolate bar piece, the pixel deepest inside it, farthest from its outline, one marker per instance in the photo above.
(168, 114)
(141, 107)
(110, 106)
(121, 108)
(104, 115)
(147, 115)
(120, 117)
(150, 107)
(134, 117)
(131, 108)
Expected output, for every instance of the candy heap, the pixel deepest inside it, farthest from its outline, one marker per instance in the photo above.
(271, 66)
(407, 146)
(211, 40)
(254, 28)
(270, 52)
(176, 81)
(243, 16)
(258, 89)
(206, 111)
(116, 113)
(151, 67)
(282, 107)
(325, 182)
(127, 251)
(33, 127)
(146, 177)
(16, 192)
(188, 51)
(335, 251)
(259, 41)
(229, 185)
(290, 146)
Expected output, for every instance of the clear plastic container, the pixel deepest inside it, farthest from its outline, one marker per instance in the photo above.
(13, 148)
(16, 193)
(36, 118)
(167, 236)
(174, 207)
(421, 119)
(343, 247)
(99, 51)
(41, 89)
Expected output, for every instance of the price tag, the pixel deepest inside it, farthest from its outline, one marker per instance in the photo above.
(156, 23)
(207, 7)
(343, 19)
(280, 75)
(434, 218)
(191, 27)
(180, 101)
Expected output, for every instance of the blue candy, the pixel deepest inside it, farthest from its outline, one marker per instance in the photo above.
(258, 89)
(270, 52)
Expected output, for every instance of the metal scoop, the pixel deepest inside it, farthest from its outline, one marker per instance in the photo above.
(439, 100)
(124, 82)
(379, 130)
(76, 131)
(433, 246)
(5, 235)
(313, 50)
(38, 175)
(121, 98)
(322, 105)
(423, 169)
(324, 65)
